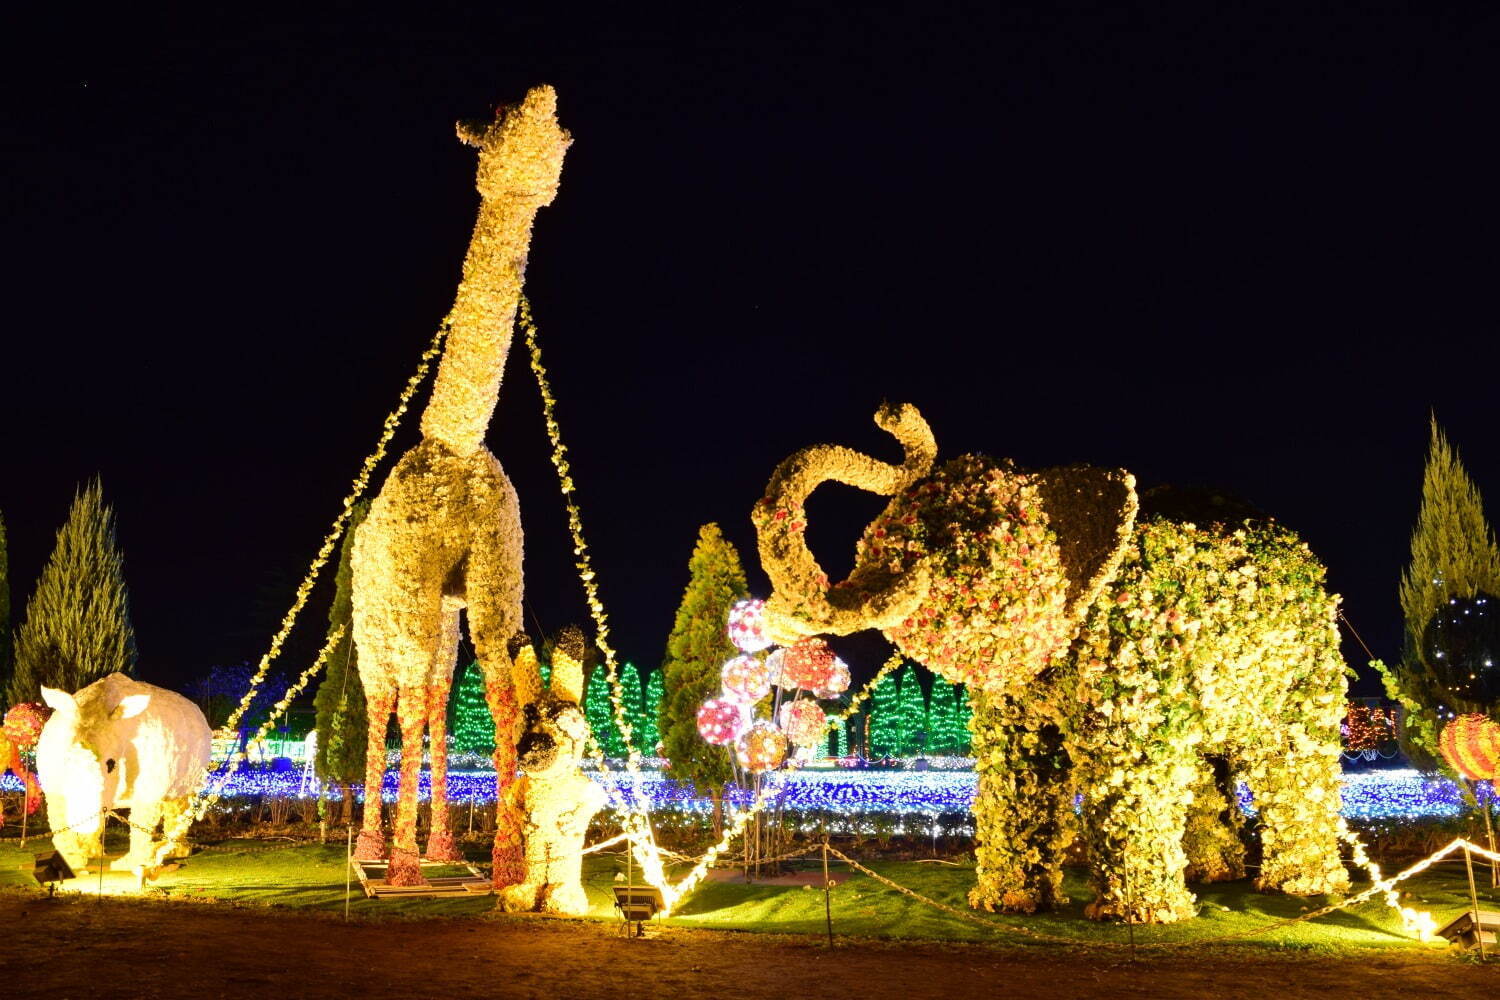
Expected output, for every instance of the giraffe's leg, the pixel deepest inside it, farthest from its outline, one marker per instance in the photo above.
(379, 701)
(440, 846)
(411, 714)
(493, 589)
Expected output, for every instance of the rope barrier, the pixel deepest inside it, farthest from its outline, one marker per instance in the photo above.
(1383, 885)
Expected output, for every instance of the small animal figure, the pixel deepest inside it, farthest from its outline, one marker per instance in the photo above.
(119, 744)
(554, 798)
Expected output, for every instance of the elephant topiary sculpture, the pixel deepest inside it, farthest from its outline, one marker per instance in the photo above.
(1143, 665)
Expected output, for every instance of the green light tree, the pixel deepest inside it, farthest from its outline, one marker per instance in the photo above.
(1453, 556)
(963, 714)
(470, 723)
(911, 714)
(600, 712)
(942, 717)
(634, 705)
(5, 643)
(339, 702)
(77, 627)
(883, 728)
(696, 650)
(838, 739)
(648, 726)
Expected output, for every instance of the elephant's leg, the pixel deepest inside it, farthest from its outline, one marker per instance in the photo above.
(144, 819)
(1134, 811)
(1023, 810)
(1211, 838)
(440, 846)
(1296, 790)
(173, 828)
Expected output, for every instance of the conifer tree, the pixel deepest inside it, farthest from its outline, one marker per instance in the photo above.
(911, 714)
(339, 702)
(470, 723)
(1454, 556)
(696, 650)
(77, 626)
(883, 729)
(648, 727)
(5, 643)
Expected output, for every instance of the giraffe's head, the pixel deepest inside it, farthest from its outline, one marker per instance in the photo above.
(521, 150)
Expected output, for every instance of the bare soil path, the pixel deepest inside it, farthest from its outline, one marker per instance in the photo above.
(79, 948)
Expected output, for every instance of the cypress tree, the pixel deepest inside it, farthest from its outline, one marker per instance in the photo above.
(648, 728)
(77, 626)
(911, 714)
(1454, 557)
(5, 643)
(339, 702)
(470, 723)
(884, 725)
(696, 650)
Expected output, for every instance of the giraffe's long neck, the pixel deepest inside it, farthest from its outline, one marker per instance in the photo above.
(468, 379)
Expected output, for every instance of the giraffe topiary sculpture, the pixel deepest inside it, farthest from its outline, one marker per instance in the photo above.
(444, 533)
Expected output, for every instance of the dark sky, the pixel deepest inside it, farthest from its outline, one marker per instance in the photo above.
(1245, 251)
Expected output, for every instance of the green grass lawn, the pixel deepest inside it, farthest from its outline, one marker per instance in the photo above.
(272, 873)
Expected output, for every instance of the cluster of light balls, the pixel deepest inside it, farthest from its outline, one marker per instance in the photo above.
(808, 665)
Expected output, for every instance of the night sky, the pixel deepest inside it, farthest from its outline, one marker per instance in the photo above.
(1249, 253)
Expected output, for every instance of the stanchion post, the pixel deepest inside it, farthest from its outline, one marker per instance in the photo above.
(1474, 900)
(827, 892)
(1129, 907)
(26, 801)
(348, 869)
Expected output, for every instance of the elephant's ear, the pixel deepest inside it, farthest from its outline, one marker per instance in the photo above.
(1092, 511)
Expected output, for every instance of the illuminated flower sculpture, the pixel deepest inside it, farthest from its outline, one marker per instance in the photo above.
(1141, 666)
(444, 533)
(23, 725)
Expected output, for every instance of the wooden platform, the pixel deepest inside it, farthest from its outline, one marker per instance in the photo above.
(371, 875)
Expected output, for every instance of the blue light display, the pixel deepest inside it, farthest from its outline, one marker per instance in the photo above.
(1372, 795)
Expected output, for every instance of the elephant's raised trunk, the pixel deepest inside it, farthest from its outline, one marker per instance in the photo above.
(802, 602)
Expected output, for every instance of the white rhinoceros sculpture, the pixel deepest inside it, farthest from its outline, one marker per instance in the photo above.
(119, 744)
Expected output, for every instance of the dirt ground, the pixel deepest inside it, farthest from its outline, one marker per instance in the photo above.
(84, 947)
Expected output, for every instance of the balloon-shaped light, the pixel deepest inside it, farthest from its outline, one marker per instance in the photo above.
(837, 683)
(747, 625)
(746, 679)
(803, 722)
(1471, 745)
(808, 663)
(721, 722)
(762, 747)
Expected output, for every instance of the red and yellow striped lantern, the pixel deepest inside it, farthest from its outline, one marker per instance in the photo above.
(1471, 745)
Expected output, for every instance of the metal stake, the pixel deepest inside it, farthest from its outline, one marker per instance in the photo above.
(1474, 900)
(827, 892)
(1129, 909)
(348, 870)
